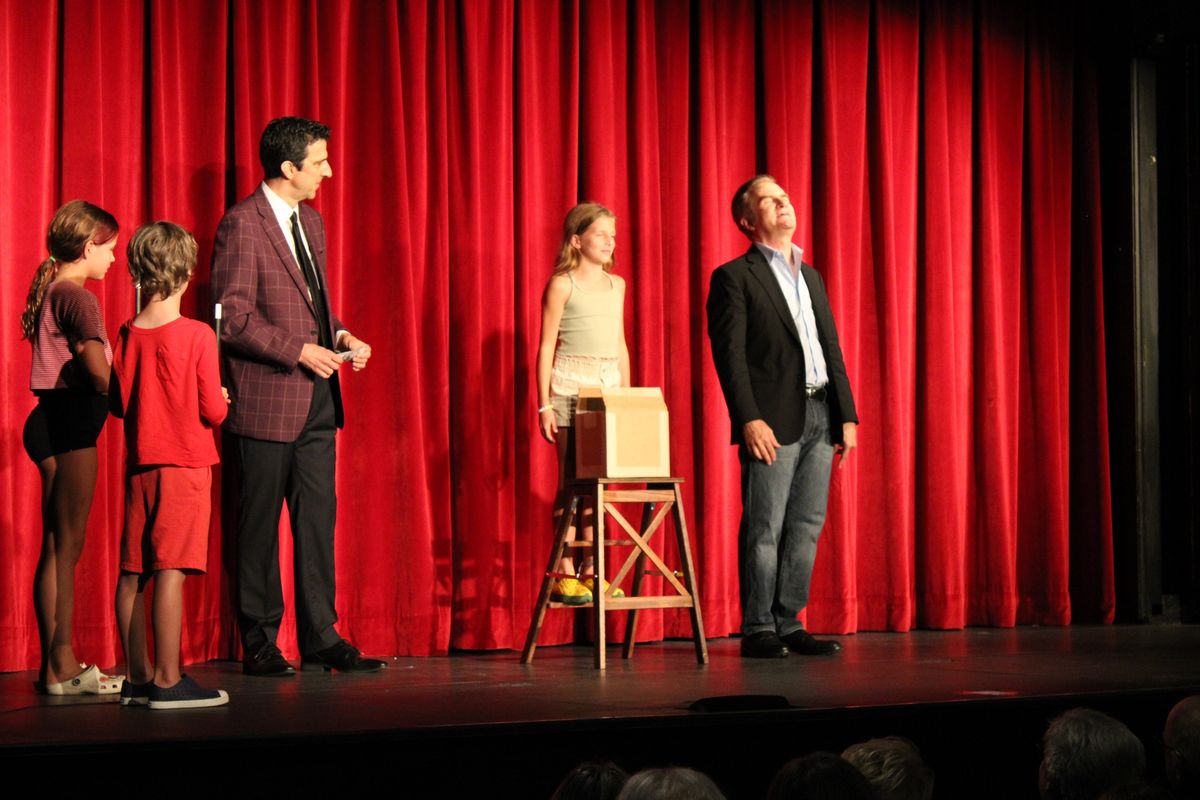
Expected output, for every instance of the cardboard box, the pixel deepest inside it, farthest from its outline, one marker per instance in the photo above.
(622, 433)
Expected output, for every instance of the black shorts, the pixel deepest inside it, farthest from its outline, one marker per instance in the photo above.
(64, 420)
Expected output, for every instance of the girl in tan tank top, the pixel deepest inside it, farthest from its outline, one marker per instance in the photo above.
(582, 344)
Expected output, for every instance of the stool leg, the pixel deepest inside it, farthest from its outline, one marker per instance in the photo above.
(539, 611)
(598, 593)
(689, 579)
(639, 570)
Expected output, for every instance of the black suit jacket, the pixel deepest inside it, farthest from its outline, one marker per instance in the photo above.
(756, 349)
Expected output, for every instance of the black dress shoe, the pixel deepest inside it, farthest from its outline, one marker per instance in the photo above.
(343, 657)
(267, 662)
(763, 644)
(804, 643)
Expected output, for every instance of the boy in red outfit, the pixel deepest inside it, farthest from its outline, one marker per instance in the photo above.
(167, 387)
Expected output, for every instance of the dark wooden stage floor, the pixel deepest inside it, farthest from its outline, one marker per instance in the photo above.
(973, 700)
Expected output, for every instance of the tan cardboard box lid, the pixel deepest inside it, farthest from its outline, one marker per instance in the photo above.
(640, 398)
(637, 445)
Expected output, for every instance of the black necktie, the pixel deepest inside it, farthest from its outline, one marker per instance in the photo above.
(309, 270)
(306, 265)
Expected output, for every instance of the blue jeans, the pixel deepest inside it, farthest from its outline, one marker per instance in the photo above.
(783, 511)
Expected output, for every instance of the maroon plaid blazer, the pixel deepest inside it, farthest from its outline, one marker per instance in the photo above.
(268, 317)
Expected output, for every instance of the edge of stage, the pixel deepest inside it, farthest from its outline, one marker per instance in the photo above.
(972, 699)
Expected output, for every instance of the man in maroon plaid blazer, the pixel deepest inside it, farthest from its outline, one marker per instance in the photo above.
(282, 348)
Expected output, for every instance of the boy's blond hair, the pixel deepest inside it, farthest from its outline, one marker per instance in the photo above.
(161, 258)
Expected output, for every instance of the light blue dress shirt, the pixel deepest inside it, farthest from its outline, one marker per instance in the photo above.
(799, 302)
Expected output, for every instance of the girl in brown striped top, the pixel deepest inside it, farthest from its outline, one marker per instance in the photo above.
(69, 376)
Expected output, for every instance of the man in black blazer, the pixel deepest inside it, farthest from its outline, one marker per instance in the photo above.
(776, 351)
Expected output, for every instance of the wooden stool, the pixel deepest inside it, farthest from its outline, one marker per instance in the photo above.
(663, 492)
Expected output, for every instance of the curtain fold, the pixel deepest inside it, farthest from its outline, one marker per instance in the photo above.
(943, 159)
(944, 463)
(842, 252)
(1001, 263)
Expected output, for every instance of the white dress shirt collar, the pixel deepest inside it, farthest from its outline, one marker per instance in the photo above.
(283, 215)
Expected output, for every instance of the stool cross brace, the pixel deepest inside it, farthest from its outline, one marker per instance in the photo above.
(660, 498)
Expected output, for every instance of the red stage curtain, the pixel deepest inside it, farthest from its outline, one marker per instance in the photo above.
(942, 155)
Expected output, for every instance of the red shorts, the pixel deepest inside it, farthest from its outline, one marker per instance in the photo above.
(167, 511)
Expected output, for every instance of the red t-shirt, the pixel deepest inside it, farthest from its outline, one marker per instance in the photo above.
(167, 388)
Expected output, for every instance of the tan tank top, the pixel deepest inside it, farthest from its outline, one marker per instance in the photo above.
(591, 322)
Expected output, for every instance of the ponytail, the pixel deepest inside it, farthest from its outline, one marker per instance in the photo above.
(44, 276)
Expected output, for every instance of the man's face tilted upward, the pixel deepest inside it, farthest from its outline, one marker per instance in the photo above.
(770, 213)
(305, 178)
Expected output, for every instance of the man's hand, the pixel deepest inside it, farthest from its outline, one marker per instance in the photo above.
(849, 442)
(760, 440)
(318, 360)
(352, 342)
(225, 394)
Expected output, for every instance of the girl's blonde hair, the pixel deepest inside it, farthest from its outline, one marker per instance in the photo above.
(74, 225)
(579, 219)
